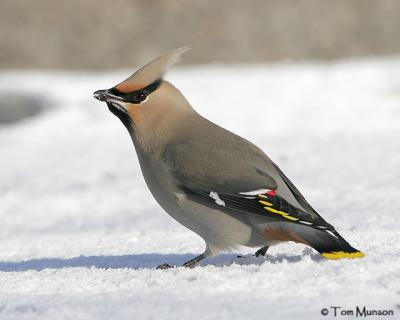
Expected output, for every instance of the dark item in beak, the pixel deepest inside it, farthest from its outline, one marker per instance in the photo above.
(106, 95)
(100, 95)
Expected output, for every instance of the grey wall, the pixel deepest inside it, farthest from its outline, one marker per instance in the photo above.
(97, 34)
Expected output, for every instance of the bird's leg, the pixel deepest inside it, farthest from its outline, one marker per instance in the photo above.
(262, 251)
(191, 263)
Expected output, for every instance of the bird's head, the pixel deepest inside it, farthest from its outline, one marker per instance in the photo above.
(144, 101)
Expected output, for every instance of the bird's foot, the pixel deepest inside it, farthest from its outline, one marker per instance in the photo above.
(247, 256)
(190, 264)
(164, 266)
(260, 252)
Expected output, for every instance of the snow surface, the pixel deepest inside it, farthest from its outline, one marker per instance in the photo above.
(81, 235)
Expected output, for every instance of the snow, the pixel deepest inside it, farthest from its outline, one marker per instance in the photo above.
(81, 235)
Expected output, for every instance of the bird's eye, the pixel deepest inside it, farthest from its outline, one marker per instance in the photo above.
(140, 96)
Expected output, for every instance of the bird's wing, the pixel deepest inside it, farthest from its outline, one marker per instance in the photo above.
(265, 203)
(295, 192)
(229, 165)
(238, 176)
(231, 174)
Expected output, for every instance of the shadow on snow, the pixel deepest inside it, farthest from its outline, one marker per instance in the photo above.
(147, 261)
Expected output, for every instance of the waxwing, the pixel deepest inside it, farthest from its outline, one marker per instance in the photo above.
(212, 181)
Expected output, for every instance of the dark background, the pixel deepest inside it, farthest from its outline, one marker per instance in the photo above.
(102, 34)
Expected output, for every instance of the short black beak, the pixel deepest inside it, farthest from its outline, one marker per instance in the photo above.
(101, 95)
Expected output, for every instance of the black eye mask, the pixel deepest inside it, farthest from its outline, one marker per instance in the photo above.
(136, 96)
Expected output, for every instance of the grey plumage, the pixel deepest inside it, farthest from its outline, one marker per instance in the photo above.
(212, 181)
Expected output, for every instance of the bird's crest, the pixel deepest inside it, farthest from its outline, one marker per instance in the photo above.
(152, 71)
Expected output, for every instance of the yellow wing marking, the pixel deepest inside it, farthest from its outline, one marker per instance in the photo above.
(283, 214)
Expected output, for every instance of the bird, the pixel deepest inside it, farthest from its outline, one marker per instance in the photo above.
(214, 182)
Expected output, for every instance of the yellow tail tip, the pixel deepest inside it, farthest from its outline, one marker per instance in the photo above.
(335, 255)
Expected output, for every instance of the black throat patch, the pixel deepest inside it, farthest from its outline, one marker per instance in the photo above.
(123, 116)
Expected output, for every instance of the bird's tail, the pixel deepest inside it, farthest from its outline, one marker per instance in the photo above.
(331, 245)
(327, 241)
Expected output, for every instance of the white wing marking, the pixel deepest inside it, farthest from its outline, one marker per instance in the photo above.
(217, 199)
(255, 192)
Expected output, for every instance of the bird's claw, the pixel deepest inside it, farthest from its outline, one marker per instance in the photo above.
(164, 266)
